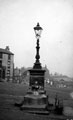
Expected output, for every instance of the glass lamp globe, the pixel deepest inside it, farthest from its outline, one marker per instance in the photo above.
(38, 31)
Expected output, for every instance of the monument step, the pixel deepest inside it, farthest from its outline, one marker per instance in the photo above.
(44, 112)
(33, 107)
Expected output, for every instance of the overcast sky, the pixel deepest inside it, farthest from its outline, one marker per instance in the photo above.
(17, 19)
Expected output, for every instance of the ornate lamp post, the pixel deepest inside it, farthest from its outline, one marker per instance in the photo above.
(36, 98)
(38, 31)
(37, 74)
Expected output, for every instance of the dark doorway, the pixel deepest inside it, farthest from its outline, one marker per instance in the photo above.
(3, 74)
(0, 73)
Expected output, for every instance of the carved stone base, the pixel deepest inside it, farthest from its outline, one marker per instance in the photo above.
(35, 100)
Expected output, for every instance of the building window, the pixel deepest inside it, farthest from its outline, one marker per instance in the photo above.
(8, 71)
(8, 67)
(8, 74)
(9, 57)
(0, 63)
(0, 55)
(8, 62)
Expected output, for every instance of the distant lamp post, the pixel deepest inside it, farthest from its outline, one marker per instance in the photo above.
(38, 31)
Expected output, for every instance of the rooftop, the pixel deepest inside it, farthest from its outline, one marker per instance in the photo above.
(6, 50)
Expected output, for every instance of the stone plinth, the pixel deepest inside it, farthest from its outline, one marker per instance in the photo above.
(35, 100)
(37, 78)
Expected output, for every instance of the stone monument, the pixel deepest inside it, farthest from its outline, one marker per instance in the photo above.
(36, 98)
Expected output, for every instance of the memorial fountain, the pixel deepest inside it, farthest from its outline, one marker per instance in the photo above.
(36, 99)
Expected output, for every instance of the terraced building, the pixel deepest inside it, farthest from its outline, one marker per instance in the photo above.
(6, 64)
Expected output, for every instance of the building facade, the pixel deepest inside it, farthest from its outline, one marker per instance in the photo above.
(6, 64)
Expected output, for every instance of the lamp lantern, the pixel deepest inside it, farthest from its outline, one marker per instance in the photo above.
(38, 31)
